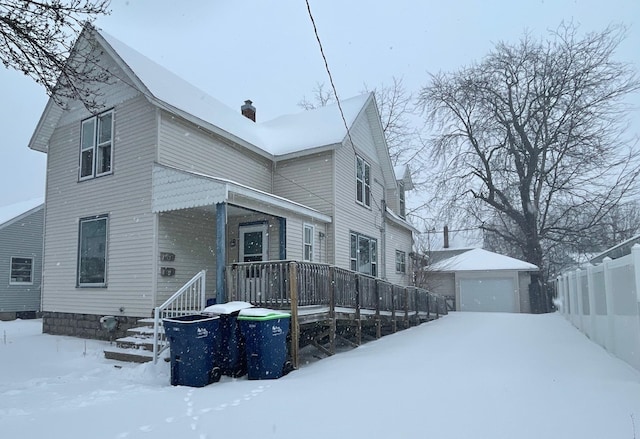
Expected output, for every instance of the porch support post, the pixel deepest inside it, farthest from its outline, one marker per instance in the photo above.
(283, 238)
(221, 250)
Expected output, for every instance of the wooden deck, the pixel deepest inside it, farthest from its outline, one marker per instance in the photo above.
(328, 303)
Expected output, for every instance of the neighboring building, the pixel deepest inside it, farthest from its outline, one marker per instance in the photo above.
(480, 280)
(617, 251)
(166, 181)
(21, 227)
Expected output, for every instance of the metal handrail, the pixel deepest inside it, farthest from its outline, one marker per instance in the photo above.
(187, 300)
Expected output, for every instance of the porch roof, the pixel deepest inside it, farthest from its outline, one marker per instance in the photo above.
(175, 189)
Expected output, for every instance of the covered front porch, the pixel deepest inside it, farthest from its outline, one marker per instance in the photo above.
(209, 223)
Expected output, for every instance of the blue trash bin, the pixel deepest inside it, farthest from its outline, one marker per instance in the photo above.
(231, 355)
(193, 343)
(265, 332)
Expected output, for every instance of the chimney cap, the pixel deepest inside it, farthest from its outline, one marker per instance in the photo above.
(248, 110)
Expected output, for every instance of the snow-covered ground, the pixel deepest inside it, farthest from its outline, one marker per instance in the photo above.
(468, 375)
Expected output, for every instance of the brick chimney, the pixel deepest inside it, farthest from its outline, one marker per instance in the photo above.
(248, 110)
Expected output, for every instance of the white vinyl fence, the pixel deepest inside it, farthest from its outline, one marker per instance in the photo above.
(603, 301)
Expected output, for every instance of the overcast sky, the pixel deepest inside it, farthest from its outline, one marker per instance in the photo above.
(265, 50)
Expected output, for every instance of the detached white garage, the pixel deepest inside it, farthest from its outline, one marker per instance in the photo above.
(479, 280)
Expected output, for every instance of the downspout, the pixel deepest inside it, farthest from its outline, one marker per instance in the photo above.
(383, 239)
(221, 250)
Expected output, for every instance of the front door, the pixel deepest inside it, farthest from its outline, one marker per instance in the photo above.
(253, 243)
(253, 248)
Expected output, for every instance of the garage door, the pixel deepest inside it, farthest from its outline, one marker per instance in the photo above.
(488, 294)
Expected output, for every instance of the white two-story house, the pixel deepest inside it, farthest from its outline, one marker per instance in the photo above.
(165, 181)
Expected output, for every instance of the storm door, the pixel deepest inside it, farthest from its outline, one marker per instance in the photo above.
(253, 243)
(253, 248)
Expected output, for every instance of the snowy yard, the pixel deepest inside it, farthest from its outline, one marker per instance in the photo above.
(468, 375)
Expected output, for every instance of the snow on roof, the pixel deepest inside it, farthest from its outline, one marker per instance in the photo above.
(12, 211)
(309, 129)
(482, 260)
(283, 135)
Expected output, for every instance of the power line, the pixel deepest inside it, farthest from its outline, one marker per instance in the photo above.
(333, 87)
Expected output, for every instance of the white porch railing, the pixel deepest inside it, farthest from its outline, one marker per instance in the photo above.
(187, 300)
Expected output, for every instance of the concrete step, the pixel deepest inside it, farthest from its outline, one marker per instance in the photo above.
(145, 343)
(144, 331)
(128, 355)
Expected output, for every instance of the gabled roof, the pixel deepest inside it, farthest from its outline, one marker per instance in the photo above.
(481, 260)
(301, 133)
(403, 173)
(15, 212)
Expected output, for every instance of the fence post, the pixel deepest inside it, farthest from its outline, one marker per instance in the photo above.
(580, 302)
(635, 260)
(378, 319)
(295, 327)
(358, 321)
(592, 303)
(332, 309)
(608, 293)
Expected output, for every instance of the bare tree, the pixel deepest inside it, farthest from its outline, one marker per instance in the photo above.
(531, 139)
(37, 38)
(321, 98)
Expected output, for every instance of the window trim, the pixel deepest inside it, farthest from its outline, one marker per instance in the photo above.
(311, 245)
(12, 282)
(96, 146)
(402, 199)
(363, 196)
(105, 218)
(401, 265)
(373, 252)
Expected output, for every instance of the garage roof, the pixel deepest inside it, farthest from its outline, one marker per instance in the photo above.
(478, 259)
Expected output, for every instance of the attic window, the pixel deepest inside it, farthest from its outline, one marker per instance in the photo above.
(96, 146)
(363, 182)
(401, 197)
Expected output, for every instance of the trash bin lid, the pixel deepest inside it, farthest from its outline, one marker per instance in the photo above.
(261, 314)
(191, 318)
(227, 308)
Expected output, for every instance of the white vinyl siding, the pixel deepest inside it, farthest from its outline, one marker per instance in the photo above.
(398, 239)
(348, 213)
(183, 146)
(126, 196)
(191, 236)
(309, 180)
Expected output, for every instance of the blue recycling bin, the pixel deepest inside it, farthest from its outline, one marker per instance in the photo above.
(265, 332)
(231, 355)
(193, 343)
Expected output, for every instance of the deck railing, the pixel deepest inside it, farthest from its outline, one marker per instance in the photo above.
(187, 300)
(294, 285)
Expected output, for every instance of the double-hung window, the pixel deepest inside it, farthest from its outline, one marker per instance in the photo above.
(21, 271)
(92, 252)
(401, 262)
(364, 254)
(402, 200)
(96, 146)
(308, 242)
(363, 182)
